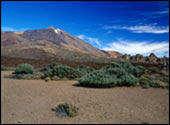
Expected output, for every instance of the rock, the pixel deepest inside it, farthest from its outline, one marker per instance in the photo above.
(47, 79)
(126, 57)
(152, 58)
(19, 121)
(138, 58)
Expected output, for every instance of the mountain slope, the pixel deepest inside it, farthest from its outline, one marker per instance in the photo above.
(48, 43)
(112, 54)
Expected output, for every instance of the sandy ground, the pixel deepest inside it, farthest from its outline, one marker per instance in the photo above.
(30, 101)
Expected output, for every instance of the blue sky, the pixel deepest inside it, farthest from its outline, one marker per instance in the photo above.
(128, 27)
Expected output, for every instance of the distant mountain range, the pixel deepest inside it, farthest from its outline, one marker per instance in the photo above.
(55, 44)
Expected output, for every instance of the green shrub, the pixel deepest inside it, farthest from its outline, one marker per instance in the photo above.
(66, 110)
(139, 70)
(99, 79)
(53, 64)
(60, 71)
(64, 71)
(50, 66)
(145, 81)
(82, 70)
(3, 68)
(128, 67)
(24, 69)
(128, 80)
(116, 74)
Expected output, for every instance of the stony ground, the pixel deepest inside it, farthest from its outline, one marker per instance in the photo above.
(30, 101)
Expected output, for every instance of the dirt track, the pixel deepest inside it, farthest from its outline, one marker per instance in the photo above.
(31, 100)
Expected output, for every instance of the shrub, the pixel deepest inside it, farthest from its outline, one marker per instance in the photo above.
(24, 69)
(50, 66)
(164, 73)
(145, 81)
(55, 78)
(34, 75)
(24, 76)
(157, 83)
(121, 74)
(53, 64)
(128, 67)
(98, 79)
(60, 71)
(146, 76)
(154, 80)
(145, 86)
(10, 68)
(128, 80)
(82, 70)
(3, 68)
(64, 71)
(66, 110)
(154, 70)
(11, 76)
(139, 70)
(165, 79)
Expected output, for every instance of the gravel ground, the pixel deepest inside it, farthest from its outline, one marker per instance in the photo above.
(30, 101)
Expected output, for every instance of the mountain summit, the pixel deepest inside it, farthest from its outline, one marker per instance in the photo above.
(50, 27)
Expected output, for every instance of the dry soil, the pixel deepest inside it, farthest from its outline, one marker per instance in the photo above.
(30, 101)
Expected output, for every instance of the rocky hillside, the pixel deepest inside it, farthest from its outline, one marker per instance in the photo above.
(152, 59)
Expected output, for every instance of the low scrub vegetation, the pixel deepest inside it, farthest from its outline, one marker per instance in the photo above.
(121, 73)
(116, 74)
(57, 71)
(155, 77)
(34, 75)
(3, 68)
(82, 70)
(24, 69)
(66, 110)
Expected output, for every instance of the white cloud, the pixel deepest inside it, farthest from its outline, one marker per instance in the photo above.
(13, 29)
(90, 39)
(7, 29)
(139, 47)
(142, 28)
(161, 12)
(81, 36)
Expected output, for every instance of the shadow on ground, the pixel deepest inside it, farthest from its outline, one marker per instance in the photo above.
(89, 87)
